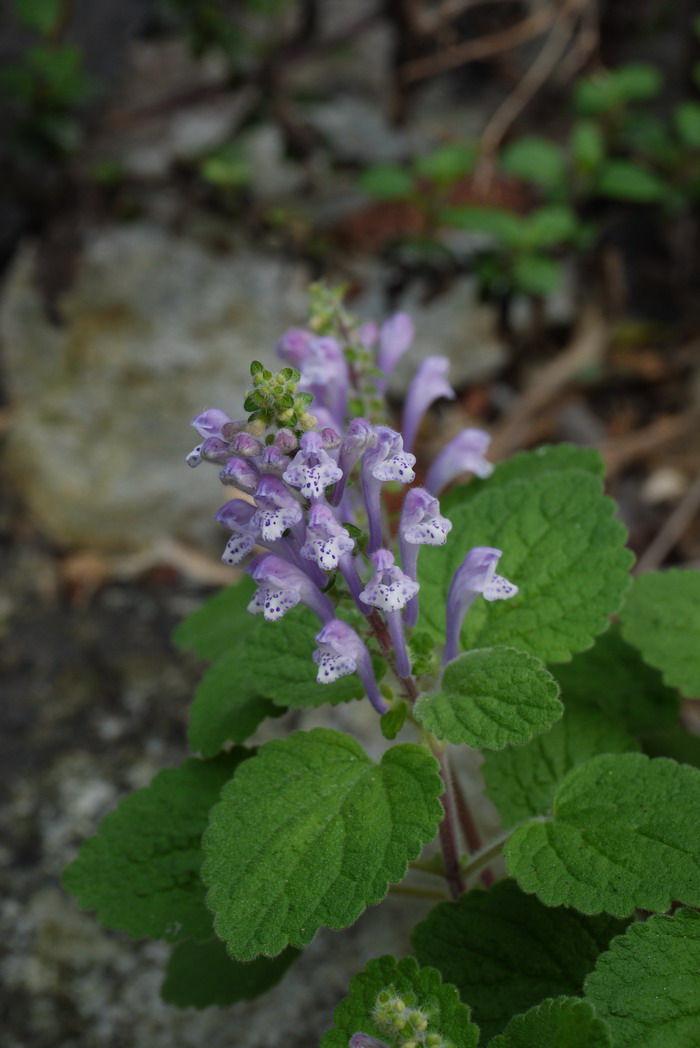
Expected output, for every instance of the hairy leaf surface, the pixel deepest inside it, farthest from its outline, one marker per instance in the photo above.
(561, 546)
(491, 697)
(418, 989)
(647, 986)
(561, 1023)
(661, 618)
(309, 833)
(505, 951)
(623, 835)
(141, 870)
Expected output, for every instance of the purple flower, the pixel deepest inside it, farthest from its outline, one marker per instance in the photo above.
(286, 441)
(429, 384)
(360, 435)
(326, 539)
(237, 515)
(384, 460)
(277, 509)
(272, 460)
(209, 423)
(390, 590)
(463, 454)
(476, 574)
(282, 586)
(194, 457)
(367, 334)
(215, 450)
(341, 651)
(246, 445)
(294, 346)
(421, 524)
(312, 469)
(363, 1040)
(240, 473)
(395, 336)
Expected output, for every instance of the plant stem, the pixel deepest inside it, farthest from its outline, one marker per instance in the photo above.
(469, 829)
(419, 893)
(447, 831)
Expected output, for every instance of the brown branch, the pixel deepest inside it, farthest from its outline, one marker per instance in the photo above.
(472, 50)
(432, 21)
(621, 451)
(671, 531)
(536, 75)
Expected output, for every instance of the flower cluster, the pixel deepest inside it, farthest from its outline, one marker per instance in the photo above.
(309, 486)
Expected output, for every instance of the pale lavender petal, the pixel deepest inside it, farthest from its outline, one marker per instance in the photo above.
(368, 333)
(429, 384)
(312, 470)
(421, 522)
(294, 346)
(215, 450)
(498, 588)
(246, 445)
(194, 457)
(326, 539)
(476, 574)
(388, 589)
(341, 651)
(237, 548)
(240, 473)
(463, 454)
(282, 586)
(209, 422)
(395, 337)
(277, 509)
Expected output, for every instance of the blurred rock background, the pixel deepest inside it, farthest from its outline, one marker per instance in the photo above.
(173, 175)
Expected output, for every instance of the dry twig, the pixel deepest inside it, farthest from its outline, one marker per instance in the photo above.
(673, 528)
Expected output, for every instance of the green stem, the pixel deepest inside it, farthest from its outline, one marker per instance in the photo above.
(493, 850)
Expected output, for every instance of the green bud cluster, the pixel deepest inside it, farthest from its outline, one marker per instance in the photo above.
(400, 1018)
(274, 401)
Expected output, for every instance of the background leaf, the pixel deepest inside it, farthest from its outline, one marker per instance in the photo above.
(141, 871)
(199, 975)
(623, 836)
(536, 160)
(215, 628)
(536, 274)
(647, 985)
(661, 618)
(521, 780)
(562, 548)
(565, 1021)
(309, 833)
(417, 988)
(624, 180)
(505, 951)
(387, 182)
(490, 697)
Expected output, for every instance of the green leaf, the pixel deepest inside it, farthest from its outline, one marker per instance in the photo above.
(199, 975)
(647, 986)
(560, 545)
(141, 870)
(636, 82)
(448, 163)
(39, 15)
(686, 118)
(562, 1023)
(551, 225)
(536, 160)
(505, 951)
(661, 618)
(521, 780)
(387, 182)
(504, 226)
(228, 166)
(587, 145)
(536, 274)
(612, 677)
(309, 833)
(548, 458)
(215, 628)
(277, 657)
(623, 836)
(391, 1000)
(681, 745)
(227, 704)
(624, 180)
(491, 697)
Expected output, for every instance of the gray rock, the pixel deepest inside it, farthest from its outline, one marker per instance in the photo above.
(155, 330)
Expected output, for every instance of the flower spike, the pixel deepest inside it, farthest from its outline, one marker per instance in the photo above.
(429, 384)
(476, 574)
(421, 524)
(312, 469)
(464, 454)
(341, 651)
(237, 515)
(240, 473)
(282, 586)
